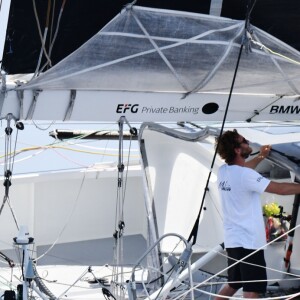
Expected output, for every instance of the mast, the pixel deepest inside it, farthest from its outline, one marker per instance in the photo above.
(216, 7)
(4, 13)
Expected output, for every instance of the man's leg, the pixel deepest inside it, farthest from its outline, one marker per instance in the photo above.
(226, 291)
(255, 273)
(234, 275)
(250, 295)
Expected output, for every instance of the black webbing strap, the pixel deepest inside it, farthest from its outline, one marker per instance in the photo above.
(194, 231)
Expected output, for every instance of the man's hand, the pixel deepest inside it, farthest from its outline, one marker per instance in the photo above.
(264, 151)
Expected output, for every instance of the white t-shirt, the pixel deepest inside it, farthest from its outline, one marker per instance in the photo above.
(240, 189)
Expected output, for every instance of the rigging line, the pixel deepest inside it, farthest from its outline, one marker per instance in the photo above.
(12, 212)
(126, 175)
(119, 214)
(55, 34)
(105, 149)
(10, 156)
(51, 146)
(28, 157)
(244, 258)
(166, 281)
(159, 268)
(212, 73)
(70, 160)
(40, 128)
(239, 298)
(220, 281)
(165, 273)
(215, 206)
(58, 25)
(14, 153)
(250, 10)
(195, 228)
(52, 23)
(48, 14)
(70, 286)
(257, 112)
(262, 46)
(43, 39)
(8, 167)
(119, 217)
(6, 151)
(267, 268)
(289, 82)
(3, 203)
(6, 282)
(116, 210)
(81, 136)
(67, 221)
(118, 202)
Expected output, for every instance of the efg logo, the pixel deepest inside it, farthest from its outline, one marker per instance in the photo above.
(122, 108)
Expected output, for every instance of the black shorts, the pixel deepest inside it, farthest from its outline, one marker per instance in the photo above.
(246, 272)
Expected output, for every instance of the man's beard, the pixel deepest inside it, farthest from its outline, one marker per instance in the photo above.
(246, 153)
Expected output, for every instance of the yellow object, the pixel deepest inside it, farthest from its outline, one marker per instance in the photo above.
(271, 209)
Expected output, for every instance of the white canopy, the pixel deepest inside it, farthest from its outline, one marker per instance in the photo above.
(160, 65)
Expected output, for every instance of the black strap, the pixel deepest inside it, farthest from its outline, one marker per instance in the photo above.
(194, 231)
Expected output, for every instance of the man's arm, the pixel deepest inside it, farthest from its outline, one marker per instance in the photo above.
(283, 188)
(264, 152)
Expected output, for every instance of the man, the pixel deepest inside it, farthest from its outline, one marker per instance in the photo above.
(240, 188)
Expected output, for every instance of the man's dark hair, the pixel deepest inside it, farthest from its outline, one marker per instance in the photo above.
(226, 143)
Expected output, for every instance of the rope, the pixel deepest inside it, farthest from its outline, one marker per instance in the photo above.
(117, 286)
(195, 228)
(239, 298)
(40, 284)
(55, 34)
(83, 274)
(40, 128)
(267, 268)
(239, 261)
(9, 159)
(126, 176)
(263, 47)
(43, 38)
(67, 221)
(119, 223)
(212, 73)
(12, 211)
(63, 148)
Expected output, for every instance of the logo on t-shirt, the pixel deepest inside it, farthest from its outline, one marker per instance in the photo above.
(224, 186)
(259, 179)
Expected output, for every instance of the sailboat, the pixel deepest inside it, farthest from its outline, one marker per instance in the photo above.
(183, 78)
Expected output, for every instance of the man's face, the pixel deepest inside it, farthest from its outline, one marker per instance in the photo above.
(246, 150)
